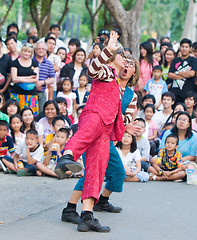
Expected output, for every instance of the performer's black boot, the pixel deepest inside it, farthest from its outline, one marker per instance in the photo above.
(69, 214)
(88, 223)
(67, 163)
(104, 205)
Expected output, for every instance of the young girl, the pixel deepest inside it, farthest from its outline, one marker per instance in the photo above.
(11, 107)
(146, 65)
(62, 53)
(157, 56)
(81, 92)
(70, 97)
(169, 55)
(16, 123)
(131, 159)
(151, 128)
(29, 123)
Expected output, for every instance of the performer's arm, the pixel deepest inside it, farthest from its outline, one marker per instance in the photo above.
(128, 115)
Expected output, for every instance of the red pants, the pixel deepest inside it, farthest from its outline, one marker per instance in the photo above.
(92, 137)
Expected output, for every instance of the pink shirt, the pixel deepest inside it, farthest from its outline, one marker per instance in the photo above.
(151, 127)
(194, 124)
(146, 71)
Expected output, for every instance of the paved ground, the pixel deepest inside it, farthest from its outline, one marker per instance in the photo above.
(30, 208)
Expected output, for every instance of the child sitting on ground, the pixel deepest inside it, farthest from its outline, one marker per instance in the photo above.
(27, 154)
(168, 164)
(55, 151)
(131, 159)
(6, 145)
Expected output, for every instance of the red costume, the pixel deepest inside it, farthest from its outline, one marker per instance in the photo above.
(100, 122)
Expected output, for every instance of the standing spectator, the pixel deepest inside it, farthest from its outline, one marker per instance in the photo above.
(164, 46)
(146, 64)
(76, 68)
(73, 44)
(11, 44)
(13, 27)
(182, 71)
(158, 57)
(46, 72)
(56, 61)
(169, 55)
(24, 72)
(190, 101)
(5, 77)
(31, 31)
(81, 92)
(156, 86)
(55, 28)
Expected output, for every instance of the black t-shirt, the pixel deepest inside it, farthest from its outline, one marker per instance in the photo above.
(181, 86)
(5, 62)
(21, 72)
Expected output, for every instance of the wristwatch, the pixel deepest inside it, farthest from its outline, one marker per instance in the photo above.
(160, 172)
(176, 72)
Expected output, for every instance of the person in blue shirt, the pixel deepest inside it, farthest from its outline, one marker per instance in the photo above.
(156, 86)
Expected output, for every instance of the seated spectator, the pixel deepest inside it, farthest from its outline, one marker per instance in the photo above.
(11, 107)
(50, 110)
(3, 116)
(160, 117)
(67, 85)
(156, 86)
(179, 107)
(30, 123)
(54, 153)
(76, 68)
(169, 55)
(194, 120)
(27, 154)
(148, 98)
(142, 144)
(73, 44)
(74, 127)
(6, 145)
(131, 159)
(190, 101)
(62, 104)
(57, 123)
(81, 92)
(18, 136)
(24, 72)
(168, 164)
(187, 138)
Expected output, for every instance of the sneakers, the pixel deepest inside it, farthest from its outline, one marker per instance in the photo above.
(89, 223)
(65, 163)
(22, 173)
(106, 206)
(70, 215)
(4, 167)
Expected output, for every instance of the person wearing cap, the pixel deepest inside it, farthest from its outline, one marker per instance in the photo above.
(156, 86)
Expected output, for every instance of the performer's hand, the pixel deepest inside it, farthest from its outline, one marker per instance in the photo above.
(132, 129)
(113, 41)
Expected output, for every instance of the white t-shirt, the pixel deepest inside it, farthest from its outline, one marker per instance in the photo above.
(160, 119)
(69, 98)
(76, 77)
(39, 128)
(130, 159)
(19, 141)
(55, 59)
(37, 154)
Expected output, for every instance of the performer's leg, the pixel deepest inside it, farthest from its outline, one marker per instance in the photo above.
(115, 175)
(90, 129)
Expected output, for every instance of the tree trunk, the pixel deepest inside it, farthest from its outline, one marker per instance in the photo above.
(189, 23)
(6, 15)
(128, 22)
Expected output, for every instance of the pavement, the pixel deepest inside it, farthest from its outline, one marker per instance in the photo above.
(30, 208)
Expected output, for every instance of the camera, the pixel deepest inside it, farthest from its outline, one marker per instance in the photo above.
(102, 40)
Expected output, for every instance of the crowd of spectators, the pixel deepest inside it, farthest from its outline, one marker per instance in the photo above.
(44, 86)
